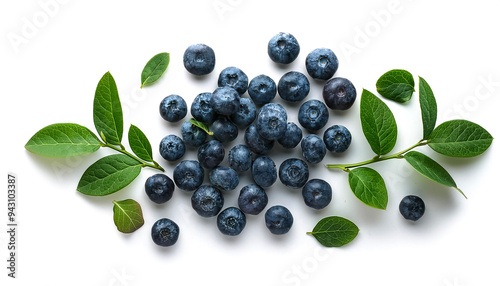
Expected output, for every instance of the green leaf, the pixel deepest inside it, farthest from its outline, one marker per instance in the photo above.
(201, 125)
(108, 175)
(155, 68)
(108, 115)
(139, 143)
(378, 123)
(127, 215)
(369, 187)
(430, 169)
(460, 138)
(428, 107)
(63, 140)
(334, 231)
(396, 85)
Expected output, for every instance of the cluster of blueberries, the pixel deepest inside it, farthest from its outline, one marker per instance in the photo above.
(226, 111)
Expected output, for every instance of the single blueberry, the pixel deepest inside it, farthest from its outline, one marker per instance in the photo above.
(252, 199)
(159, 188)
(293, 86)
(192, 135)
(292, 137)
(279, 219)
(240, 158)
(317, 193)
(224, 130)
(188, 175)
(225, 100)
(235, 78)
(172, 148)
(339, 93)
(271, 121)
(207, 201)
(201, 109)
(211, 153)
(313, 148)
(224, 178)
(165, 232)
(257, 143)
(283, 48)
(262, 89)
(246, 114)
(337, 138)
(173, 108)
(231, 221)
(313, 115)
(412, 207)
(264, 171)
(322, 64)
(294, 173)
(199, 59)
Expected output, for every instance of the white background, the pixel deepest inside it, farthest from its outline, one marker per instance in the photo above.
(53, 55)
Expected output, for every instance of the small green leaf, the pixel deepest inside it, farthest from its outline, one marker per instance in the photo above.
(127, 215)
(63, 140)
(108, 175)
(428, 107)
(460, 138)
(108, 115)
(201, 125)
(396, 85)
(155, 68)
(369, 187)
(334, 231)
(378, 123)
(430, 169)
(139, 143)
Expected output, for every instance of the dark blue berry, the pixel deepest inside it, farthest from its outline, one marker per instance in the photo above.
(313, 148)
(240, 158)
(199, 59)
(192, 135)
(165, 232)
(294, 173)
(159, 188)
(235, 78)
(412, 207)
(225, 100)
(271, 121)
(262, 89)
(252, 199)
(339, 93)
(292, 137)
(188, 175)
(257, 143)
(317, 193)
(246, 114)
(201, 108)
(224, 130)
(337, 138)
(264, 171)
(322, 64)
(313, 115)
(211, 153)
(172, 148)
(224, 178)
(293, 86)
(173, 108)
(283, 48)
(207, 201)
(231, 221)
(279, 219)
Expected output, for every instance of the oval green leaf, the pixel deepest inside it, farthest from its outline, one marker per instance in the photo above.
(108, 115)
(369, 187)
(428, 107)
(109, 175)
(127, 215)
(397, 85)
(201, 125)
(460, 138)
(63, 140)
(378, 123)
(154, 68)
(139, 143)
(334, 231)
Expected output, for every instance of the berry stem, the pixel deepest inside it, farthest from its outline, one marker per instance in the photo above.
(122, 150)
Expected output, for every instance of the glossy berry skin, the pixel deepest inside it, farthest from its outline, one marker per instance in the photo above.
(313, 148)
(165, 232)
(279, 220)
(246, 114)
(339, 93)
(211, 153)
(292, 137)
(271, 121)
(283, 48)
(264, 171)
(252, 199)
(224, 178)
(224, 130)
(337, 138)
(293, 86)
(317, 194)
(188, 175)
(262, 89)
(159, 188)
(172, 148)
(225, 100)
(322, 64)
(199, 59)
(240, 158)
(207, 201)
(192, 135)
(235, 78)
(313, 115)
(201, 109)
(231, 221)
(173, 108)
(294, 173)
(412, 207)
(257, 143)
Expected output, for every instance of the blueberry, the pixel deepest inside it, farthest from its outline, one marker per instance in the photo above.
(313, 115)
(201, 109)
(235, 78)
(322, 64)
(224, 178)
(173, 108)
(165, 232)
(313, 148)
(294, 173)
(262, 89)
(240, 158)
(231, 221)
(199, 59)
(337, 138)
(252, 199)
(172, 148)
(192, 135)
(159, 188)
(188, 175)
(211, 153)
(412, 207)
(246, 114)
(264, 171)
(207, 201)
(283, 48)
(271, 121)
(339, 93)
(317, 193)
(293, 86)
(279, 219)
(257, 143)
(224, 130)
(292, 137)
(225, 100)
